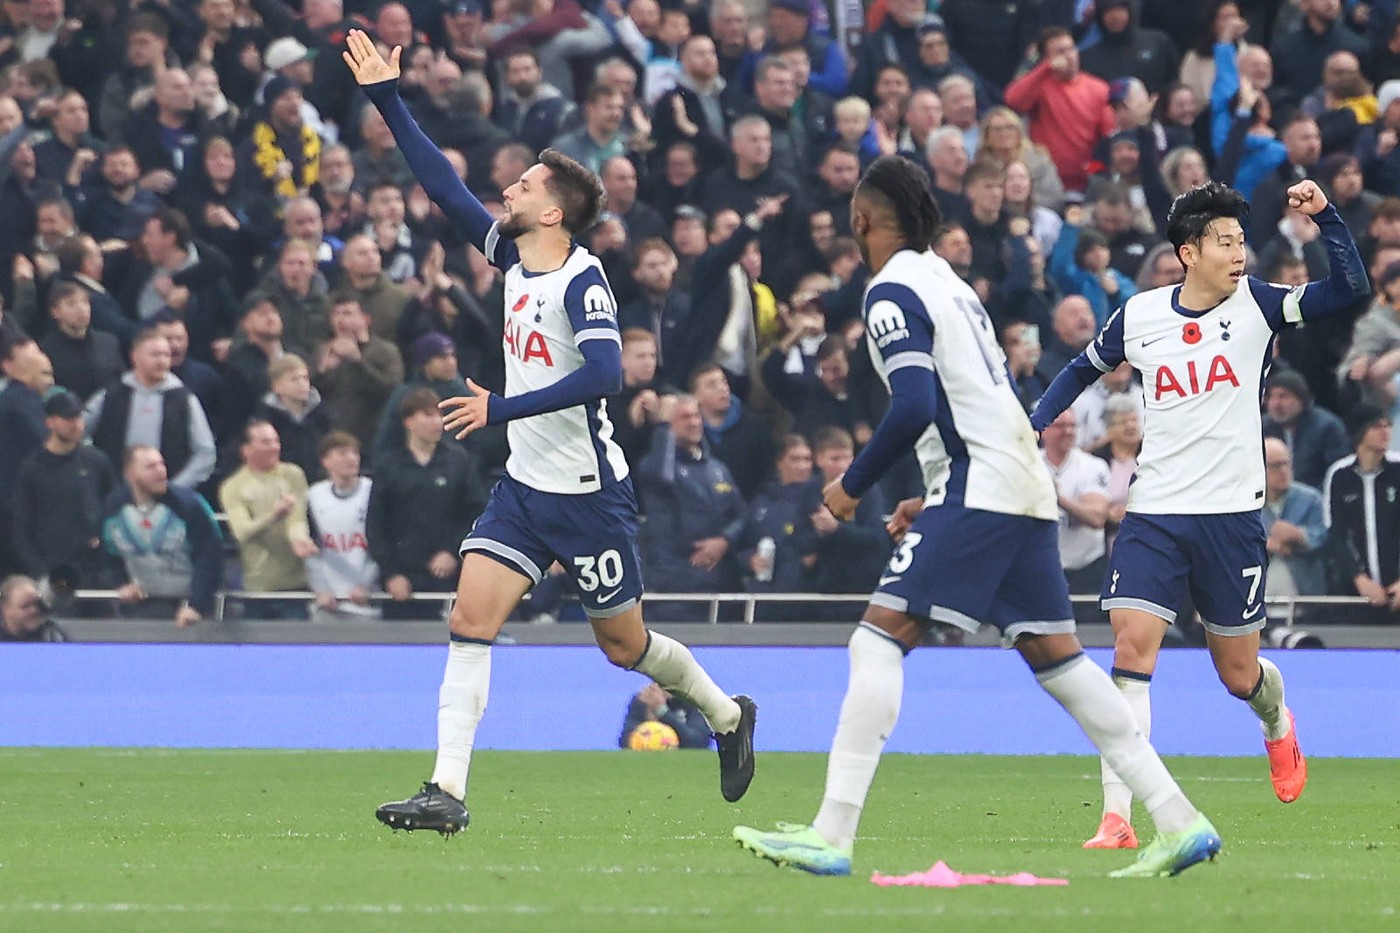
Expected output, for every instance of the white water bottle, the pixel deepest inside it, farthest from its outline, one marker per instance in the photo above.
(767, 547)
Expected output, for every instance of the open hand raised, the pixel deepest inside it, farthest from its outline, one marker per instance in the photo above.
(366, 64)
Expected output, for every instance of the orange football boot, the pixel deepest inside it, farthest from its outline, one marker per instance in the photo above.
(1288, 769)
(1114, 833)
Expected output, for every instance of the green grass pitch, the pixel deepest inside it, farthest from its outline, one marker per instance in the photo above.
(152, 840)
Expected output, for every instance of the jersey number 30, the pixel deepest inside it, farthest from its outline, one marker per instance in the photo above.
(603, 570)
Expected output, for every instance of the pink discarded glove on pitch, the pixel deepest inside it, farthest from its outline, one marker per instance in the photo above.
(941, 876)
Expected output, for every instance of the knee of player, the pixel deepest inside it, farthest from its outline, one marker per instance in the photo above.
(1136, 643)
(621, 654)
(1239, 677)
(465, 621)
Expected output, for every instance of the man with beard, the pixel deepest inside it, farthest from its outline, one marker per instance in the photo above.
(566, 495)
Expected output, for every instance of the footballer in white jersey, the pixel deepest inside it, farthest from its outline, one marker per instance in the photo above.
(980, 548)
(548, 319)
(1193, 523)
(566, 496)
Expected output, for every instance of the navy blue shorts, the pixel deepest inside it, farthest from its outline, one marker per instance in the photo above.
(593, 535)
(967, 567)
(1221, 558)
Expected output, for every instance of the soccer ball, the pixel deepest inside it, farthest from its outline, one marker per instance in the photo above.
(653, 737)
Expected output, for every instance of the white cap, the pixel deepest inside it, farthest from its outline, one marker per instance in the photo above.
(283, 52)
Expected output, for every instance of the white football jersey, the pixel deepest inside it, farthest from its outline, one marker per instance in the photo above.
(1202, 379)
(339, 522)
(547, 318)
(980, 451)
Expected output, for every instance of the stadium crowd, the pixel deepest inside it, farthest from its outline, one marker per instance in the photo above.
(227, 293)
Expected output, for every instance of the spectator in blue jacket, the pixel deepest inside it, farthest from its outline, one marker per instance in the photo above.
(1080, 265)
(1293, 520)
(845, 557)
(1246, 148)
(776, 518)
(695, 514)
(789, 24)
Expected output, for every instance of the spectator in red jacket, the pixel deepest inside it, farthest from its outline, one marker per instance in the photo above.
(1068, 108)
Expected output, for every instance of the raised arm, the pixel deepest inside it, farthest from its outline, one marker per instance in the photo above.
(380, 80)
(1346, 280)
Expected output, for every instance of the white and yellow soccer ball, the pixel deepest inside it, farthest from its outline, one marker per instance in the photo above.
(653, 737)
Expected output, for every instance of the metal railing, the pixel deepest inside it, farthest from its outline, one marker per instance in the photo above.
(713, 601)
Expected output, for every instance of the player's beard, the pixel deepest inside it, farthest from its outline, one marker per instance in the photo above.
(512, 227)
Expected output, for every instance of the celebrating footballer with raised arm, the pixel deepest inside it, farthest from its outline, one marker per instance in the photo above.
(981, 547)
(566, 495)
(1193, 519)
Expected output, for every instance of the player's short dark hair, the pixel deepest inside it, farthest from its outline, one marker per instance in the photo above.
(336, 440)
(903, 188)
(578, 192)
(1195, 210)
(416, 400)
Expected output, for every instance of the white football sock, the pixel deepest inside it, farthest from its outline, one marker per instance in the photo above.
(1267, 701)
(1086, 692)
(461, 701)
(868, 714)
(1137, 691)
(670, 664)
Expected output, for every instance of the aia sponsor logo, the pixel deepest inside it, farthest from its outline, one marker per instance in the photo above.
(1192, 381)
(525, 344)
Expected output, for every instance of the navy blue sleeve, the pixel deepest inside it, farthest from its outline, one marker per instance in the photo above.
(1102, 356)
(591, 307)
(1346, 281)
(913, 403)
(438, 177)
(900, 325)
(593, 313)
